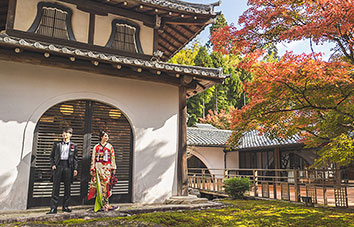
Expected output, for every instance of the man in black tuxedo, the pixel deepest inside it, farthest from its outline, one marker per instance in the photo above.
(64, 165)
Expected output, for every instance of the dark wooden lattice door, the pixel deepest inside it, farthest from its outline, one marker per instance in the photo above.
(87, 118)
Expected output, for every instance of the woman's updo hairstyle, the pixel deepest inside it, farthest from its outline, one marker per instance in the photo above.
(102, 134)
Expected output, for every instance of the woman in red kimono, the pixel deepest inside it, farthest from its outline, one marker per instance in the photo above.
(103, 166)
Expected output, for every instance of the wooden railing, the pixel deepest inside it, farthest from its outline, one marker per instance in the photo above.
(314, 186)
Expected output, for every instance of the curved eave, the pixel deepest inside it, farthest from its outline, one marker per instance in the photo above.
(196, 79)
(174, 37)
(180, 23)
(166, 5)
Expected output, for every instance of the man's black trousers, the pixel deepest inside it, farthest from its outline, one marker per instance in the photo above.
(62, 173)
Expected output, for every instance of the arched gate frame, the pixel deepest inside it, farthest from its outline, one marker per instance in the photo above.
(87, 118)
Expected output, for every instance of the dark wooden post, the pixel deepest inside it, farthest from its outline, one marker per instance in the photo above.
(203, 179)
(274, 188)
(214, 183)
(338, 175)
(91, 28)
(182, 172)
(277, 173)
(296, 186)
(10, 20)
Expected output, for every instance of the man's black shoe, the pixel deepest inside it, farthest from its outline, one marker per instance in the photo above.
(66, 209)
(52, 211)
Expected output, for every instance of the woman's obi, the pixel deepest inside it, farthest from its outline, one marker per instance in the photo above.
(103, 157)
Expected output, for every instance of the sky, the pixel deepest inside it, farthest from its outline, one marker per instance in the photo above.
(232, 9)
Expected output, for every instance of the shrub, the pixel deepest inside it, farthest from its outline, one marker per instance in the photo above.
(237, 186)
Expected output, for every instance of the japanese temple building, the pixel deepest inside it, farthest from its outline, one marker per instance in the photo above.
(207, 148)
(93, 65)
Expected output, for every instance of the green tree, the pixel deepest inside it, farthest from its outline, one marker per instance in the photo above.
(187, 55)
(303, 94)
(221, 96)
(219, 23)
(196, 104)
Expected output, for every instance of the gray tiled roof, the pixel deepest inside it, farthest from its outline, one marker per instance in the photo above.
(115, 59)
(184, 6)
(253, 139)
(207, 137)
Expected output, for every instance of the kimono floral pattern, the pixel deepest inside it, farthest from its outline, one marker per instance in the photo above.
(102, 163)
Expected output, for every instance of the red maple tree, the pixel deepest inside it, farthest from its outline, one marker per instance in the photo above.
(298, 94)
(220, 120)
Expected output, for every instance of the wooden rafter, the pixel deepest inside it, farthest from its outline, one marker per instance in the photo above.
(177, 32)
(171, 36)
(185, 21)
(187, 29)
(165, 49)
(168, 42)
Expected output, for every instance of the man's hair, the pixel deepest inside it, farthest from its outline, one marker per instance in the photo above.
(69, 130)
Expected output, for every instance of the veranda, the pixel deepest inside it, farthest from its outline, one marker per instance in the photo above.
(325, 187)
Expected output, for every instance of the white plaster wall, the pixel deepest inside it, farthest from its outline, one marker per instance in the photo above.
(232, 160)
(80, 22)
(212, 157)
(103, 30)
(28, 91)
(26, 11)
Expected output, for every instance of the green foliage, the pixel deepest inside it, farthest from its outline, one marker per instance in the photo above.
(340, 149)
(239, 213)
(203, 59)
(302, 95)
(196, 105)
(219, 23)
(237, 186)
(187, 55)
(221, 96)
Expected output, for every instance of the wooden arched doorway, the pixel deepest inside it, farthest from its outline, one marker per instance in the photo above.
(195, 165)
(87, 118)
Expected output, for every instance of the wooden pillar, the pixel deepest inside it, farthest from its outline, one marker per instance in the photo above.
(214, 183)
(156, 40)
(92, 28)
(10, 20)
(277, 158)
(338, 175)
(297, 186)
(225, 153)
(203, 179)
(182, 171)
(237, 159)
(157, 27)
(277, 174)
(255, 182)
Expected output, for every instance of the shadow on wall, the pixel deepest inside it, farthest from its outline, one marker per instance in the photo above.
(155, 164)
(154, 182)
(155, 173)
(14, 186)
